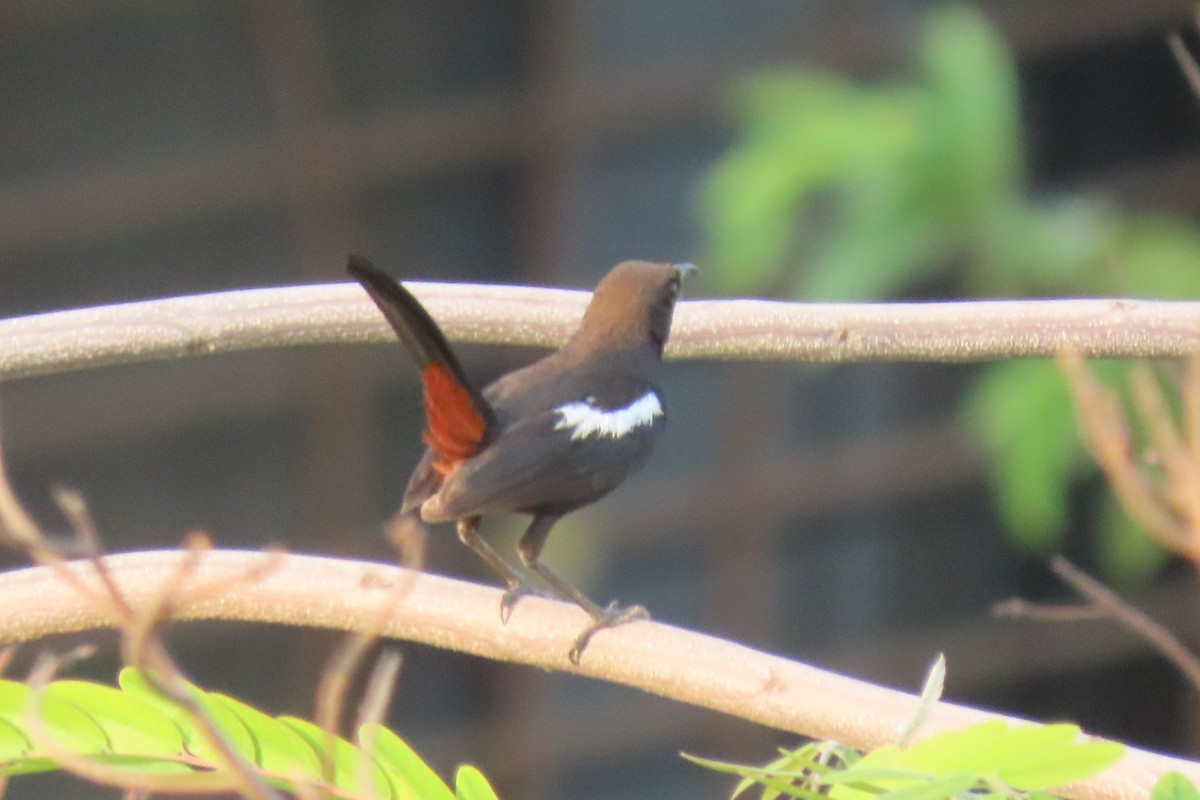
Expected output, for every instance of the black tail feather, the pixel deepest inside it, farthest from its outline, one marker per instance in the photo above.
(421, 336)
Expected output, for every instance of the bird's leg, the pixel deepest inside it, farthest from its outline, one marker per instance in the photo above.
(530, 548)
(518, 586)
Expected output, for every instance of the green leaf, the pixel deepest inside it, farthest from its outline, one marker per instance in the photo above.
(469, 784)
(279, 748)
(785, 775)
(931, 693)
(347, 759)
(874, 774)
(393, 753)
(935, 789)
(143, 764)
(139, 732)
(16, 751)
(73, 702)
(1048, 756)
(1026, 757)
(194, 738)
(806, 766)
(1174, 786)
(773, 779)
(64, 724)
(973, 124)
(132, 726)
(1022, 413)
(949, 753)
(28, 766)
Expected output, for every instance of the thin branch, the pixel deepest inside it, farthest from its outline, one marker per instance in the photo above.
(1180, 465)
(713, 329)
(1102, 603)
(381, 684)
(1185, 60)
(1108, 439)
(1111, 605)
(1020, 608)
(1191, 404)
(671, 662)
(332, 691)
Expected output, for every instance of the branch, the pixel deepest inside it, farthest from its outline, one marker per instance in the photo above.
(715, 329)
(1111, 605)
(675, 663)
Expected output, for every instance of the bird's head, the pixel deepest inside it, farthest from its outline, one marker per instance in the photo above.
(633, 304)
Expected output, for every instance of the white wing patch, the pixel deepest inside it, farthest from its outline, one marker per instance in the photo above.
(585, 419)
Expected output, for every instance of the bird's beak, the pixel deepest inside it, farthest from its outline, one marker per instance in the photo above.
(685, 269)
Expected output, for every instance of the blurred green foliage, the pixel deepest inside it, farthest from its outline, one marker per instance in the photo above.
(839, 190)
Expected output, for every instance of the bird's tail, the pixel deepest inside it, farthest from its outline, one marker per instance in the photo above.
(459, 421)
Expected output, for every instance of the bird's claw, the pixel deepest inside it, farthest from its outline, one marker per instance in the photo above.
(509, 601)
(610, 617)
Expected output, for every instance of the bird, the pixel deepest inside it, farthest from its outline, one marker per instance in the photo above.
(545, 439)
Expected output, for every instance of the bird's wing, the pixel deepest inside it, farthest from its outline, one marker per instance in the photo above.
(459, 421)
(552, 461)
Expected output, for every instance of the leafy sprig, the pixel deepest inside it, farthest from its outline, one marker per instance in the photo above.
(991, 759)
(132, 732)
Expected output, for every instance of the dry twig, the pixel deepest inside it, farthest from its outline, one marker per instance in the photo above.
(1160, 492)
(1103, 603)
(1111, 444)
(344, 663)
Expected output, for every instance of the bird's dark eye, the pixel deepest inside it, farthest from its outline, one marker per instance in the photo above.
(672, 291)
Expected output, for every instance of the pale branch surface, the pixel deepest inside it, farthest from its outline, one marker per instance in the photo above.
(657, 658)
(714, 329)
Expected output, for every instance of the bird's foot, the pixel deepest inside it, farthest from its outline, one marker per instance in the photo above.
(516, 590)
(610, 617)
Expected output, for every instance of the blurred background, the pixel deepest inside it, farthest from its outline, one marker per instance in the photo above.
(862, 518)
